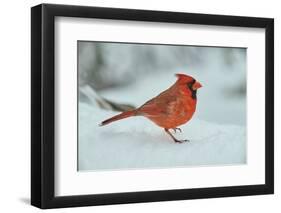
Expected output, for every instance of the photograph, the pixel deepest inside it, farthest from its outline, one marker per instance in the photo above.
(159, 106)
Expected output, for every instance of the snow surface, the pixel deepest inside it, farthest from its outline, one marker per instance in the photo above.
(136, 143)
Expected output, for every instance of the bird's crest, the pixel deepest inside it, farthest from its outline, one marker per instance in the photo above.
(184, 77)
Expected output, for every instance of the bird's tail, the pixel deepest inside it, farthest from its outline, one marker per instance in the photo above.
(119, 117)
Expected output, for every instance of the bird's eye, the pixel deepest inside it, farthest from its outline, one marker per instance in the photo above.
(189, 85)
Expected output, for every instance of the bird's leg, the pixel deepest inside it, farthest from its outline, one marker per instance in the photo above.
(175, 129)
(176, 140)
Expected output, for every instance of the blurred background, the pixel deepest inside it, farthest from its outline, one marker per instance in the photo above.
(120, 76)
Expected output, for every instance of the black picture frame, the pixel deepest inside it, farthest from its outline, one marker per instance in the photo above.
(43, 102)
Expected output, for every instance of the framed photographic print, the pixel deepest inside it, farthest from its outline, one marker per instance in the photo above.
(139, 106)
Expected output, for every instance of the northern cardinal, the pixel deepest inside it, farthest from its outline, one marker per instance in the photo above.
(170, 109)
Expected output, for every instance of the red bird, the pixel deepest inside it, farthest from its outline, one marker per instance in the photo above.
(170, 109)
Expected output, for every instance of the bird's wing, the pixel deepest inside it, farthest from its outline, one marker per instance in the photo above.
(160, 105)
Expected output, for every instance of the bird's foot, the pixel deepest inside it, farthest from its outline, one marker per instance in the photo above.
(175, 130)
(181, 141)
(176, 140)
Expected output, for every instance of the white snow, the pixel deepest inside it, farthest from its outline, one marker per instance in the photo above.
(137, 143)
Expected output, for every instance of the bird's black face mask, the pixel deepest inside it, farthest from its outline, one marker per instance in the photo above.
(193, 92)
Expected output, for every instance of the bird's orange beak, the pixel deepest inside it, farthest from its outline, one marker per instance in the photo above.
(196, 85)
